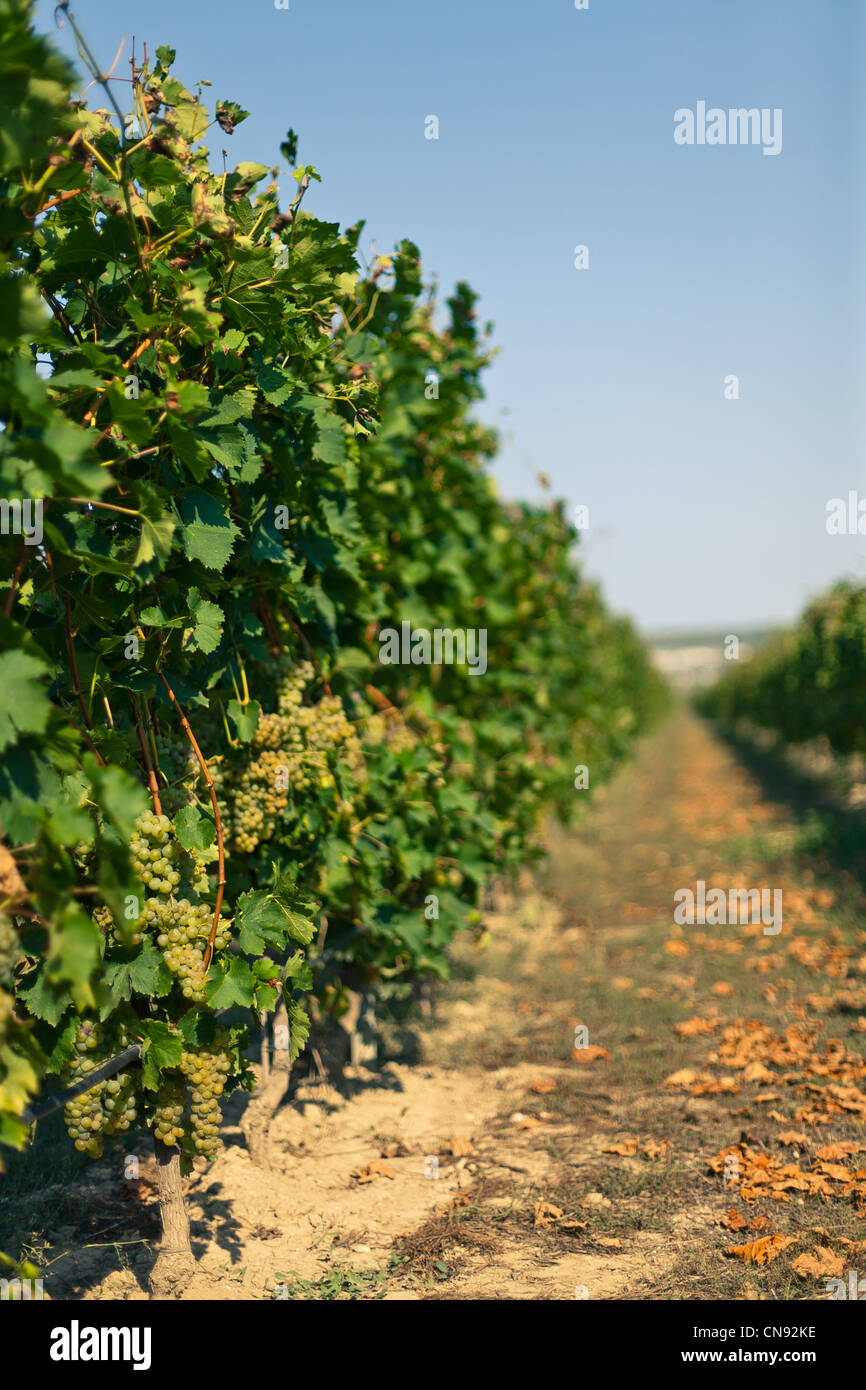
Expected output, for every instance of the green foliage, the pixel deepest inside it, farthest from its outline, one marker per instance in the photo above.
(809, 682)
(251, 456)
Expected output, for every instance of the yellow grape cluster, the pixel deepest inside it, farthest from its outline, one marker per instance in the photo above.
(168, 1112)
(155, 853)
(205, 1070)
(181, 926)
(107, 1109)
(104, 919)
(261, 798)
(295, 744)
(182, 929)
(396, 734)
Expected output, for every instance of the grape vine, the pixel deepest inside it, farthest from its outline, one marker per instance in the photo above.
(217, 417)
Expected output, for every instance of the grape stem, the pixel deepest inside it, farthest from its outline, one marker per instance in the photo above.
(151, 776)
(73, 665)
(382, 703)
(270, 628)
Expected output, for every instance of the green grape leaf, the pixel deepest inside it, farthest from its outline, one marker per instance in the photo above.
(197, 1027)
(162, 1050)
(143, 971)
(208, 533)
(266, 996)
(45, 998)
(18, 1079)
(264, 918)
(236, 985)
(155, 541)
(23, 706)
(299, 1026)
(194, 829)
(297, 972)
(209, 619)
(245, 718)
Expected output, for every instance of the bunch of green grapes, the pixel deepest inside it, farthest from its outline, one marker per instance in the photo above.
(160, 861)
(299, 743)
(206, 1070)
(181, 926)
(180, 769)
(182, 930)
(261, 798)
(107, 1109)
(155, 853)
(163, 866)
(104, 919)
(169, 1111)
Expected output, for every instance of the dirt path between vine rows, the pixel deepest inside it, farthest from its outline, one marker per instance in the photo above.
(718, 1080)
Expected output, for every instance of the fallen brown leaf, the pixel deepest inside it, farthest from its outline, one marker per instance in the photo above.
(589, 1054)
(836, 1171)
(761, 1251)
(832, 1152)
(821, 1264)
(543, 1086)
(546, 1214)
(370, 1171)
(458, 1148)
(695, 1027)
(734, 1221)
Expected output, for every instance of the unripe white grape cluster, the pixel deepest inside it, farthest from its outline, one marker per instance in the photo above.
(296, 744)
(261, 799)
(168, 1114)
(396, 734)
(108, 1109)
(155, 853)
(206, 1070)
(182, 931)
(104, 919)
(181, 926)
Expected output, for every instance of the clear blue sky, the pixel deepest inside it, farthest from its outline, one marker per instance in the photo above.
(556, 128)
